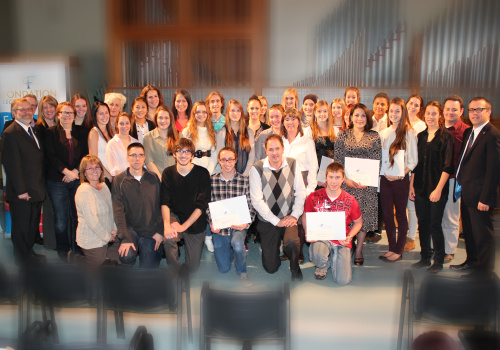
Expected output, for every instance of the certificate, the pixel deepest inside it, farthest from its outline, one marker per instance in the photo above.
(231, 211)
(398, 169)
(323, 226)
(364, 171)
(325, 162)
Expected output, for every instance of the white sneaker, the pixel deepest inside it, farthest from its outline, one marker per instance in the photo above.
(247, 282)
(209, 244)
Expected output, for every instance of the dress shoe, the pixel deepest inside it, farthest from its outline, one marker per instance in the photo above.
(359, 261)
(435, 268)
(461, 267)
(391, 261)
(297, 275)
(421, 263)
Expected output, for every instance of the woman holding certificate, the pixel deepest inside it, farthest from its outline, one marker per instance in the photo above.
(359, 141)
(323, 132)
(428, 186)
(399, 157)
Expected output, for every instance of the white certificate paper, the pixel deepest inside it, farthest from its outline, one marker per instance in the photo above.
(364, 171)
(325, 162)
(399, 164)
(323, 226)
(231, 211)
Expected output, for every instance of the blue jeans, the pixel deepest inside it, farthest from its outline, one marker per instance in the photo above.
(62, 195)
(227, 247)
(145, 245)
(325, 254)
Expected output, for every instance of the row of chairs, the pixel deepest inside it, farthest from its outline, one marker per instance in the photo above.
(242, 316)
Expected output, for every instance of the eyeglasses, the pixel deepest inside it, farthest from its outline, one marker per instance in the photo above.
(184, 151)
(24, 110)
(94, 168)
(67, 114)
(228, 160)
(477, 110)
(140, 155)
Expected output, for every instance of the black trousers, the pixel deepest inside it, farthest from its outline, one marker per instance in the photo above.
(25, 225)
(479, 237)
(430, 218)
(270, 240)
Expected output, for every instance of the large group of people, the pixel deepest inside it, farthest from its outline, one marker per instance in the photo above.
(126, 186)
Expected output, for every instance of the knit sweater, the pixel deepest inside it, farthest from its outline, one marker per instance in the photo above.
(276, 193)
(95, 216)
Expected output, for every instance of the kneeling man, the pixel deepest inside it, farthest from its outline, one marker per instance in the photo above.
(230, 242)
(334, 254)
(277, 191)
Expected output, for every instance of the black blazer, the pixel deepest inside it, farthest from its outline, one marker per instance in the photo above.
(57, 150)
(479, 171)
(24, 164)
(133, 130)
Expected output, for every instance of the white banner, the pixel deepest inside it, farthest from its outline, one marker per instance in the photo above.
(36, 78)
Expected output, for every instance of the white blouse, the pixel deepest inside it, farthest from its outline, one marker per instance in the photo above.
(203, 144)
(303, 150)
(116, 155)
(388, 136)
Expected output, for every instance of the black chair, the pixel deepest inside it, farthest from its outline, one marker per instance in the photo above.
(244, 316)
(37, 337)
(59, 286)
(144, 291)
(469, 302)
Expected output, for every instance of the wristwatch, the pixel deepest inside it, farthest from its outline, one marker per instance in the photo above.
(348, 238)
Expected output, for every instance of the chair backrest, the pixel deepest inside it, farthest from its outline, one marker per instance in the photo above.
(459, 300)
(59, 284)
(245, 315)
(139, 290)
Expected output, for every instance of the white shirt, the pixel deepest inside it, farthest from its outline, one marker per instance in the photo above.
(475, 132)
(142, 130)
(388, 136)
(379, 125)
(116, 155)
(303, 150)
(257, 196)
(203, 144)
(26, 128)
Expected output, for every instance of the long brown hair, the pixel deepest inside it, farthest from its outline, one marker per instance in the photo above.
(172, 135)
(404, 126)
(244, 140)
(193, 127)
(314, 124)
(87, 120)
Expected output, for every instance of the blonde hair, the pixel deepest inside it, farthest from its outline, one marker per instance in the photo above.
(193, 128)
(295, 95)
(314, 124)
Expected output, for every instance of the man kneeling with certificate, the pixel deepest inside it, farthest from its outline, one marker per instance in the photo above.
(230, 214)
(329, 233)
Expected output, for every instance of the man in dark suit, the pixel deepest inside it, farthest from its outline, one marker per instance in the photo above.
(478, 174)
(23, 161)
